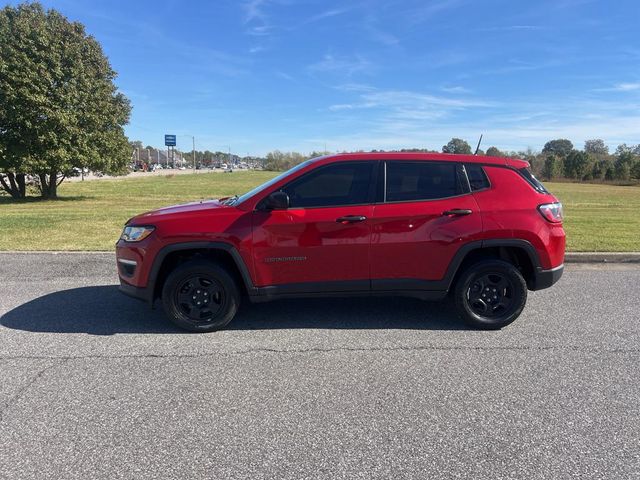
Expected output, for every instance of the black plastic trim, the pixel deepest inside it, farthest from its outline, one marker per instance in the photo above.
(139, 293)
(545, 278)
(235, 255)
(347, 288)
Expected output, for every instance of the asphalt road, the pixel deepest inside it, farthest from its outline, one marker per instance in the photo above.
(93, 385)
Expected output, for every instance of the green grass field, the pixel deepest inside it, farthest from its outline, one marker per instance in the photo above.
(90, 215)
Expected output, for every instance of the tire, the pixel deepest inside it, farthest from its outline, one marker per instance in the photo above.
(200, 296)
(490, 294)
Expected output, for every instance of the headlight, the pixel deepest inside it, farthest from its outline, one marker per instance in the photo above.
(135, 234)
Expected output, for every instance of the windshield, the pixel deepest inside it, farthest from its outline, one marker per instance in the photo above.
(273, 181)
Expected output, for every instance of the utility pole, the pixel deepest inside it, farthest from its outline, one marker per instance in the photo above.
(229, 156)
(194, 152)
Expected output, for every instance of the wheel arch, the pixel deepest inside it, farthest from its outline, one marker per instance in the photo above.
(219, 252)
(520, 253)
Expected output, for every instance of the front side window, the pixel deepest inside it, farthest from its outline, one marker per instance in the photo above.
(333, 185)
(407, 181)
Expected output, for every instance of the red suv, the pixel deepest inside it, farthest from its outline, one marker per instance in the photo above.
(482, 229)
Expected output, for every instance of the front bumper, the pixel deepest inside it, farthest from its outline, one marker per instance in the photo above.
(141, 293)
(545, 278)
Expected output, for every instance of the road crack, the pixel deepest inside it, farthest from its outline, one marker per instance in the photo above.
(15, 398)
(326, 350)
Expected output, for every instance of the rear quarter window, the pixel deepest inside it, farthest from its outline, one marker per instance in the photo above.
(532, 180)
(478, 179)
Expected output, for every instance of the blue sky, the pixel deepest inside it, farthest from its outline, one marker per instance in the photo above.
(298, 75)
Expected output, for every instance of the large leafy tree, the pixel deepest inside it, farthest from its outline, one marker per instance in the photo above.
(457, 145)
(577, 164)
(596, 147)
(560, 147)
(59, 107)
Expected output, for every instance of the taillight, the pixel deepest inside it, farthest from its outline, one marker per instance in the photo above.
(552, 212)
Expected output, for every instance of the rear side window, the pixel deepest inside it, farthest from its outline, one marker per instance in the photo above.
(533, 181)
(337, 184)
(477, 177)
(406, 181)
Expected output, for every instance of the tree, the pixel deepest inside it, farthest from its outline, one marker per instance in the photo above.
(457, 145)
(494, 152)
(577, 164)
(552, 167)
(560, 147)
(624, 164)
(278, 161)
(596, 147)
(59, 107)
(602, 168)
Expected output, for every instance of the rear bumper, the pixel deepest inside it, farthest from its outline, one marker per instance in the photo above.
(545, 278)
(140, 293)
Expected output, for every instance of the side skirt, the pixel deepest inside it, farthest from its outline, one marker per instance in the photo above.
(351, 288)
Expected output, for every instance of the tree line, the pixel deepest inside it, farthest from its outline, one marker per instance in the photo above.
(558, 160)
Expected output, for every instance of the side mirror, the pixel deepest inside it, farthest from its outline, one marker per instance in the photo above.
(276, 201)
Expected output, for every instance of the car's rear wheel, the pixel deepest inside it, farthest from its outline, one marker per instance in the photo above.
(490, 294)
(200, 296)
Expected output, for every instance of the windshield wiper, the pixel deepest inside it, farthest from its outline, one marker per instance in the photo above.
(229, 200)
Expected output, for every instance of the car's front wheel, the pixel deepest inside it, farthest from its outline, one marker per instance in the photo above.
(200, 296)
(490, 294)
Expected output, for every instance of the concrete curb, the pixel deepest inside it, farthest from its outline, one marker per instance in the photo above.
(602, 257)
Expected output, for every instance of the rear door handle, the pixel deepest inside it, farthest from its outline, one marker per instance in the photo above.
(351, 219)
(456, 212)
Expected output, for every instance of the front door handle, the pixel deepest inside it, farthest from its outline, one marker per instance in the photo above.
(351, 219)
(456, 212)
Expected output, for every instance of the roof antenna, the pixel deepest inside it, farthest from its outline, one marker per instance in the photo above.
(478, 147)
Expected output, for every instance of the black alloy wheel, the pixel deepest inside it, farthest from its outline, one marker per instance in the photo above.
(200, 296)
(490, 294)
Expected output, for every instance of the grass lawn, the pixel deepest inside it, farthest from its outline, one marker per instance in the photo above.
(90, 215)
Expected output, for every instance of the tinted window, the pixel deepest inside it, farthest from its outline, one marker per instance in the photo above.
(535, 183)
(338, 184)
(422, 181)
(477, 177)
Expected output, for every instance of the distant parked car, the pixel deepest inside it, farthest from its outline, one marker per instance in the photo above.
(483, 230)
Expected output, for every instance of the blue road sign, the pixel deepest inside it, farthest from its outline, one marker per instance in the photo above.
(169, 140)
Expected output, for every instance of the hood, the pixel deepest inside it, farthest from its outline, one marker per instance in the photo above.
(182, 208)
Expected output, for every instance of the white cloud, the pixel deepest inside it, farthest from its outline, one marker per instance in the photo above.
(626, 87)
(620, 87)
(407, 104)
(456, 89)
(431, 9)
(284, 76)
(256, 19)
(507, 28)
(348, 65)
(405, 119)
(326, 14)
